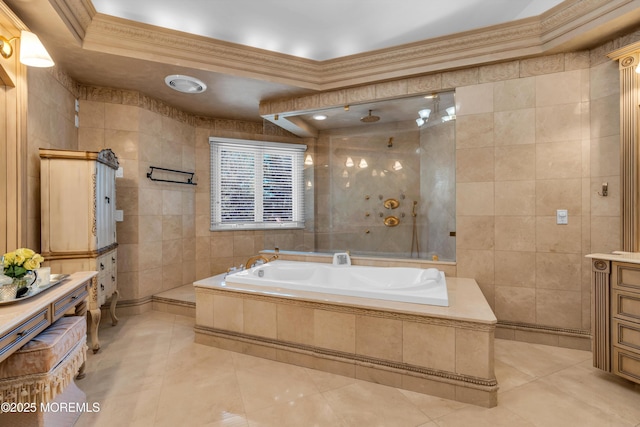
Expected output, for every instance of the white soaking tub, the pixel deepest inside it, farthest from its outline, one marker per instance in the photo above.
(413, 285)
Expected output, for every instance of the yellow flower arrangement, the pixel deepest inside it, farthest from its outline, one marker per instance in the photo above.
(20, 262)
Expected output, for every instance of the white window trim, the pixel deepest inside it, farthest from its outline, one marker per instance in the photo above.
(297, 150)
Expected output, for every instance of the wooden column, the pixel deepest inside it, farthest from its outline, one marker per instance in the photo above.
(628, 59)
(601, 314)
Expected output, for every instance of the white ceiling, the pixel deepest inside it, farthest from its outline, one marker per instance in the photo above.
(327, 29)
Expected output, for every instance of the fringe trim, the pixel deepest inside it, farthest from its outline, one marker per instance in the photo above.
(44, 387)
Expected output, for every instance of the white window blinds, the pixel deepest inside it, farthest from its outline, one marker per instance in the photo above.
(256, 185)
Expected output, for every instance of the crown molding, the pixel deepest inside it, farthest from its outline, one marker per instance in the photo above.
(554, 31)
(76, 14)
(629, 50)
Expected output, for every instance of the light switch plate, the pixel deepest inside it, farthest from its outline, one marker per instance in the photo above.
(120, 172)
(119, 215)
(562, 216)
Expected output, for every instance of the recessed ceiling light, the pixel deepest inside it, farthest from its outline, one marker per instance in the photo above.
(185, 84)
(320, 116)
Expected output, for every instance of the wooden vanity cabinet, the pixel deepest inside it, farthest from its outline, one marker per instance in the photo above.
(78, 231)
(625, 321)
(616, 317)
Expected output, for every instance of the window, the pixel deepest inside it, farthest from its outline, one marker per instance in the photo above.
(256, 185)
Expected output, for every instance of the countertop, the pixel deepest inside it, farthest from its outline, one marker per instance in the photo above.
(619, 256)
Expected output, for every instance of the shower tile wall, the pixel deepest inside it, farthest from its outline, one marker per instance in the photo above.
(350, 197)
(355, 195)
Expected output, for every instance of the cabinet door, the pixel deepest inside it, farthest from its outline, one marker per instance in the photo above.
(110, 183)
(106, 202)
(102, 199)
(70, 210)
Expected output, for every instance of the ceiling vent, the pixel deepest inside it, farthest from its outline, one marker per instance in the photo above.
(185, 84)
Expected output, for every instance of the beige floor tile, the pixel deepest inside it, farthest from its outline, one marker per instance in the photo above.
(126, 376)
(191, 363)
(368, 404)
(235, 421)
(510, 377)
(265, 385)
(199, 401)
(434, 407)
(150, 372)
(135, 409)
(608, 393)
(326, 381)
(543, 404)
(481, 417)
(296, 413)
(536, 359)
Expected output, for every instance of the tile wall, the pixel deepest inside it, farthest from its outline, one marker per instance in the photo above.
(547, 141)
(51, 124)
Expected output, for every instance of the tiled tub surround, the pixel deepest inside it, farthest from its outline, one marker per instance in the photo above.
(442, 351)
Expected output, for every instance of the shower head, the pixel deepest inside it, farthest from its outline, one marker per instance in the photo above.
(369, 118)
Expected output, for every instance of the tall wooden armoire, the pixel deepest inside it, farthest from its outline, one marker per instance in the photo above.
(78, 223)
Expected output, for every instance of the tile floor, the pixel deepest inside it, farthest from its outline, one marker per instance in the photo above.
(150, 372)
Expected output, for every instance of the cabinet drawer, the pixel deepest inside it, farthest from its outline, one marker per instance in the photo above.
(626, 335)
(627, 277)
(626, 364)
(17, 337)
(113, 278)
(70, 300)
(625, 305)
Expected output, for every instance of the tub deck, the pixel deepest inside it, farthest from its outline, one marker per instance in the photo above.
(442, 351)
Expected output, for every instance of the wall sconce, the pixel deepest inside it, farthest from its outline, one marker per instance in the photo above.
(363, 164)
(308, 161)
(32, 51)
(397, 166)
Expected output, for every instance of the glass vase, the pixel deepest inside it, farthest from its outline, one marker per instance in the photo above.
(25, 281)
(20, 282)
